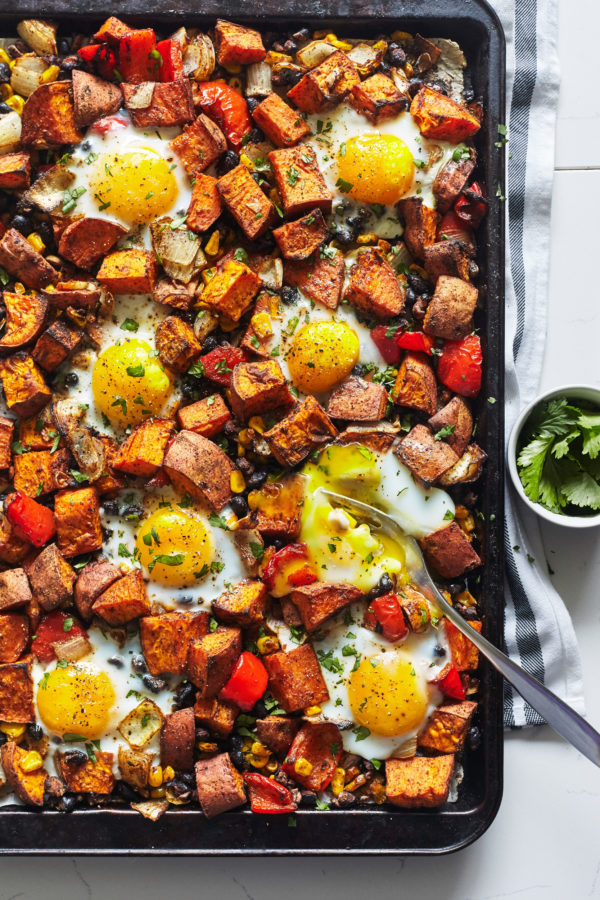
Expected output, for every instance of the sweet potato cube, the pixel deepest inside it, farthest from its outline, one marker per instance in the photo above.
(448, 257)
(277, 733)
(244, 604)
(250, 207)
(112, 31)
(28, 786)
(128, 272)
(24, 263)
(319, 601)
(124, 600)
(325, 85)
(450, 181)
(15, 171)
(38, 432)
(78, 525)
(7, 430)
(262, 339)
(177, 344)
(51, 578)
(197, 466)
(205, 207)
(306, 428)
(455, 417)
(16, 692)
(420, 226)
(415, 385)
(199, 145)
(359, 400)
(420, 781)
(374, 288)
(441, 118)
(93, 98)
(25, 319)
(299, 239)
(70, 293)
(232, 290)
(295, 678)
(377, 98)
(463, 653)
(211, 660)
(299, 181)
(277, 508)
(171, 104)
(166, 639)
(177, 740)
(25, 390)
(14, 635)
(320, 279)
(283, 126)
(216, 715)
(449, 551)
(237, 44)
(48, 118)
(110, 482)
(14, 589)
(143, 451)
(13, 548)
(257, 387)
(426, 458)
(55, 344)
(219, 784)
(450, 311)
(320, 745)
(446, 730)
(415, 608)
(93, 580)
(87, 240)
(207, 417)
(84, 776)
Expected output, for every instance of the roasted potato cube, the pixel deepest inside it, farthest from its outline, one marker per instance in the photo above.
(320, 279)
(415, 608)
(48, 118)
(197, 466)
(216, 715)
(231, 291)
(283, 126)
(251, 209)
(357, 399)
(325, 85)
(277, 733)
(170, 103)
(257, 387)
(319, 601)
(446, 730)
(295, 678)
(450, 311)
(176, 344)
(207, 417)
(134, 768)
(124, 600)
(14, 635)
(468, 468)
(78, 526)
(42, 472)
(299, 181)
(28, 786)
(306, 428)
(25, 390)
(374, 288)
(177, 740)
(92, 581)
(276, 508)
(15, 171)
(93, 98)
(87, 240)
(377, 98)
(419, 781)
(441, 118)
(463, 653)
(169, 292)
(55, 344)
(300, 239)
(455, 422)
(128, 272)
(23, 262)
(206, 206)
(211, 660)
(237, 44)
(143, 451)
(7, 430)
(83, 775)
(51, 578)
(199, 145)
(14, 589)
(415, 385)
(220, 786)
(166, 639)
(420, 226)
(244, 604)
(451, 180)
(448, 257)
(449, 551)
(16, 692)
(426, 458)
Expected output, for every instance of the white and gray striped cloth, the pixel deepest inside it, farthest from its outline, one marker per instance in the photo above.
(538, 629)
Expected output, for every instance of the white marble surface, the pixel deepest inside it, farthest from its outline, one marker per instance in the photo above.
(544, 844)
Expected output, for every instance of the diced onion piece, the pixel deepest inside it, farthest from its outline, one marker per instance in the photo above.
(407, 749)
(47, 191)
(314, 53)
(141, 724)
(141, 96)
(10, 132)
(178, 250)
(258, 80)
(151, 809)
(270, 273)
(39, 35)
(204, 323)
(365, 57)
(27, 74)
(199, 58)
(181, 36)
(72, 648)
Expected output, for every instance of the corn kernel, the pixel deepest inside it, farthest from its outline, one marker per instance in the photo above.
(380, 45)
(4, 57)
(12, 730)
(168, 774)
(268, 643)
(207, 747)
(36, 242)
(50, 74)
(312, 710)
(369, 238)
(236, 482)
(257, 424)
(275, 197)
(212, 244)
(234, 69)
(341, 45)
(356, 783)
(259, 762)
(272, 765)
(155, 778)
(408, 70)
(259, 749)
(15, 102)
(261, 325)
(401, 36)
(338, 781)
(208, 275)
(32, 762)
(20, 288)
(378, 792)
(246, 161)
(158, 793)
(241, 451)
(253, 499)
(245, 437)
(273, 58)
(302, 766)
(5, 91)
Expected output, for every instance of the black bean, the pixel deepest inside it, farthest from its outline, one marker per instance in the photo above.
(185, 695)
(244, 465)
(64, 46)
(289, 294)
(156, 685)
(256, 479)
(236, 741)
(286, 76)
(410, 296)
(71, 379)
(68, 803)
(252, 103)
(22, 223)
(188, 778)
(4, 73)
(308, 799)
(414, 86)
(396, 55)
(116, 661)
(359, 370)
(384, 586)
(35, 731)
(138, 664)
(111, 507)
(237, 758)
(126, 792)
(302, 34)
(290, 47)
(177, 787)
(76, 757)
(418, 284)
(228, 161)
(202, 734)
(133, 511)
(260, 710)
(5, 108)
(71, 62)
(44, 229)
(278, 543)
(209, 343)
(255, 136)
(474, 737)
(344, 799)
(342, 235)
(439, 651)
(239, 506)
(187, 598)
(384, 69)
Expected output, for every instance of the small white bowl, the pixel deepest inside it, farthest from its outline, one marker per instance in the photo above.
(572, 391)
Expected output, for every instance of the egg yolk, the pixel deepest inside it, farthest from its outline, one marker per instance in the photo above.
(75, 700)
(136, 187)
(386, 696)
(175, 547)
(129, 383)
(322, 353)
(379, 168)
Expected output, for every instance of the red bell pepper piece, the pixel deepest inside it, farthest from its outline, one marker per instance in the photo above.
(279, 559)
(219, 363)
(415, 340)
(36, 522)
(321, 746)
(102, 58)
(138, 56)
(171, 61)
(52, 630)
(225, 107)
(449, 683)
(471, 206)
(386, 613)
(302, 576)
(108, 123)
(267, 795)
(459, 366)
(247, 683)
(453, 228)
(383, 338)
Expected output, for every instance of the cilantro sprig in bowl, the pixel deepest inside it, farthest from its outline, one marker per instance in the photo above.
(554, 456)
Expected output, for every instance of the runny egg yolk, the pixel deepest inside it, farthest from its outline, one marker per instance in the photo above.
(321, 355)
(136, 187)
(386, 696)
(378, 167)
(75, 700)
(129, 383)
(175, 547)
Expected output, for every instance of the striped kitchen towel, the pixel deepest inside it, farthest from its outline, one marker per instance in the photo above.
(538, 629)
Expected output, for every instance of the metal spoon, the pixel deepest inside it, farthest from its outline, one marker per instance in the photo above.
(569, 724)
